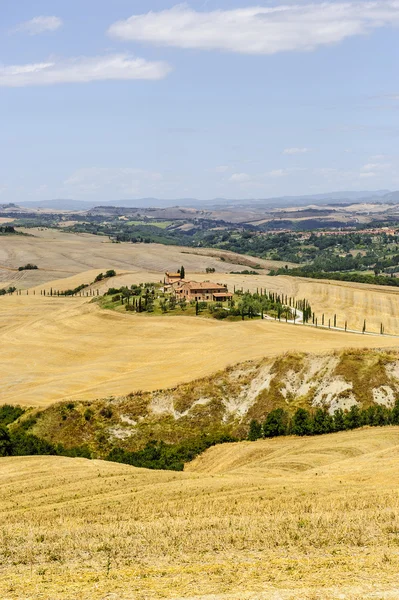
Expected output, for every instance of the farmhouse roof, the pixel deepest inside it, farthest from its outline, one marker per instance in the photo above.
(223, 295)
(204, 285)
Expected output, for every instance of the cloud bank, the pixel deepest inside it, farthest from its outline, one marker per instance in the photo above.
(82, 70)
(259, 30)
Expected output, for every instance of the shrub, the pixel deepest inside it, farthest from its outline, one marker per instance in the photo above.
(9, 414)
(88, 414)
(28, 267)
(106, 412)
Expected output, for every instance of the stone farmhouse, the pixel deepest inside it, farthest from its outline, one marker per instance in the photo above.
(171, 278)
(204, 291)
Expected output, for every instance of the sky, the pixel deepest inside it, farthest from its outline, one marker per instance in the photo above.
(123, 99)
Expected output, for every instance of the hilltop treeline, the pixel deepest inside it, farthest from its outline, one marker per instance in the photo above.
(278, 422)
(354, 277)
(7, 230)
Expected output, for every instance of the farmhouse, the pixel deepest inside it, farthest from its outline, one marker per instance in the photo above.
(204, 291)
(171, 278)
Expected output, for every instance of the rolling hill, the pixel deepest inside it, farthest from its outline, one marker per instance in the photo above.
(223, 403)
(311, 518)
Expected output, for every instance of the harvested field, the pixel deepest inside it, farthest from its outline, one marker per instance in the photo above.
(60, 348)
(352, 302)
(310, 519)
(59, 254)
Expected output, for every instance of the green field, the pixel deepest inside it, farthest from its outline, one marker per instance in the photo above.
(159, 224)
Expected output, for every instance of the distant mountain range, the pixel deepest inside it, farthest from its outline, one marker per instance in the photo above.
(380, 196)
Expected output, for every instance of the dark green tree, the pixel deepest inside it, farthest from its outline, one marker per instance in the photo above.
(182, 273)
(322, 422)
(5, 442)
(302, 423)
(395, 413)
(255, 430)
(276, 423)
(353, 418)
(339, 420)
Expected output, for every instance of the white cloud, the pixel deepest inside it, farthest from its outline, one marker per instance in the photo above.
(259, 30)
(82, 70)
(39, 25)
(296, 150)
(240, 177)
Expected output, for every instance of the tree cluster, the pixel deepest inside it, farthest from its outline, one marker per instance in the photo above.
(170, 457)
(10, 290)
(28, 267)
(319, 421)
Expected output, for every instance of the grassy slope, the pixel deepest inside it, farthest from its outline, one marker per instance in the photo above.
(308, 518)
(225, 402)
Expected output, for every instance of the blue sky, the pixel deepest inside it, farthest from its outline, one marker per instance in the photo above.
(112, 100)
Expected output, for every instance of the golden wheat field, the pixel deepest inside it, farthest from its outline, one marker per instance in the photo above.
(54, 349)
(312, 518)
(61, 348)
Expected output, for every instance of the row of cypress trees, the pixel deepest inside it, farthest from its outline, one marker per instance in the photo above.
(319, 421)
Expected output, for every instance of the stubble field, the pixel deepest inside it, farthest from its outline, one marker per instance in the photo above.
(313, 519)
